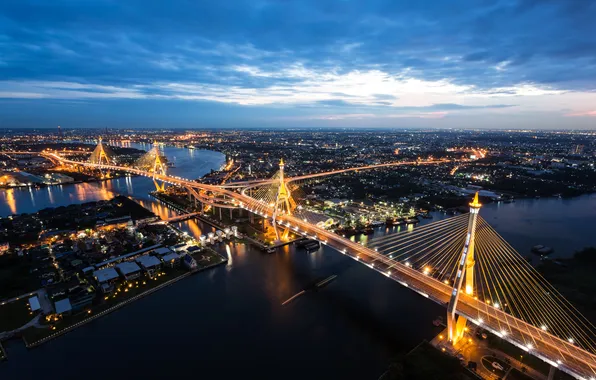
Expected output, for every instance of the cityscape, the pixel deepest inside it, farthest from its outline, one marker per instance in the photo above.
(260, 190)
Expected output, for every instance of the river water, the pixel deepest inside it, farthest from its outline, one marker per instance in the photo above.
(229, 321)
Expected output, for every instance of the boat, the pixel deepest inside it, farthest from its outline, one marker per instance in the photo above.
(439, 321)
(412, 221)
(312, 245)
(541, 249)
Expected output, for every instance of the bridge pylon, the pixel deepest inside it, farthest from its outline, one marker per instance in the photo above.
(154, 162)
(102, 155)
(456, 324)
(284, 203)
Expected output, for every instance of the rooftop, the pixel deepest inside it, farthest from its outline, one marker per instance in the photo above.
(105, 274)
(170, 257)
(162, 251)
(128, 267)
(34, 303)
(148, 261)
(62, 306)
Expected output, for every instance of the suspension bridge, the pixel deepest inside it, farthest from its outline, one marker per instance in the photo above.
(461, 263)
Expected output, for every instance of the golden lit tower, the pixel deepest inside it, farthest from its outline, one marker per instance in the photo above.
(102, 154)
(465, 270)
(153, 162)
(284, 203)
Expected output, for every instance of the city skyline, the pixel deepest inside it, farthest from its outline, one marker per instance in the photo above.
(501, 64)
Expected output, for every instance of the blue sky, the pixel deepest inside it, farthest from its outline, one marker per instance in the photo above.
(237, 63)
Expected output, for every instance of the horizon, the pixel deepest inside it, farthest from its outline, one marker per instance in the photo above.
(462, 65)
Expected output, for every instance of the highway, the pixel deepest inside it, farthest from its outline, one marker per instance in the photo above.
(260, 182)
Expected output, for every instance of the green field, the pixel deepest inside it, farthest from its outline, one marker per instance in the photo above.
(15, 314)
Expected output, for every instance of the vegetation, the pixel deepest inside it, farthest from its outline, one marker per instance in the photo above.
(15, 314)
(14, 276)
(575, 279)
(426, 362)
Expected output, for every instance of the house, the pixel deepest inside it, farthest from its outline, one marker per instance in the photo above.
(189, 262)
(162, 251)
(179, 247)
(129, 270)
(106, 278)
(172, 260)
(149, 263)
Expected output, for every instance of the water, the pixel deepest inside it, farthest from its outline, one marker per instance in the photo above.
(229, 321)
(188, 163)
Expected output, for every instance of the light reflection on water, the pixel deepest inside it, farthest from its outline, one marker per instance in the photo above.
(191, 164)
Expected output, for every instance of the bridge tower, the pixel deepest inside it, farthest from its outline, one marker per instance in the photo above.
(457, 325)
(284, 203)
(159, 168)
(153, 162)
(102, 155)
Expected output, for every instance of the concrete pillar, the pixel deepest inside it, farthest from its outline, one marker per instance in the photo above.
(551, 373)
(220, 213)
(231, 215)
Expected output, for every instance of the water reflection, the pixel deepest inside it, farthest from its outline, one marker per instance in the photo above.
(28, 200)
(11, 201)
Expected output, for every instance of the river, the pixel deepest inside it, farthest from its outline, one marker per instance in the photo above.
(229, 321)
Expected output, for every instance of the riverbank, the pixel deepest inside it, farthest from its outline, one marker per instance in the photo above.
(3, 355)
(32, 335)
(426, 362)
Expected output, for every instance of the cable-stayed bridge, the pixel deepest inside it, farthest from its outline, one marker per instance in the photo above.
(461, 263)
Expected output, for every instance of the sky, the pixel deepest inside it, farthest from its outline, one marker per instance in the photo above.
(310, 63)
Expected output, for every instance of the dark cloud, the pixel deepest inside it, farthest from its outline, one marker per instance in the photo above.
(488, 44)
(135, 41)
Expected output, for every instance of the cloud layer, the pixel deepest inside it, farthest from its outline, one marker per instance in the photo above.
(314, 62)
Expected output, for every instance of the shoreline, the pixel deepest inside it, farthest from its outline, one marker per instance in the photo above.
(118, 306)
(44, 185)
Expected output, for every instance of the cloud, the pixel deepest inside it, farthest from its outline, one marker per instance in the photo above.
(587, 113)
(376, 57)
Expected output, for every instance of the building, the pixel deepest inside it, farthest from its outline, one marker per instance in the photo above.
(63, 306)
(189, 262)
(57, 178)
(162, 251)
(129, 270)
(193, 249)
(81, 298)
(34, 304)
(149, 263)
(106, 278)
(172, 260)
(180, 247)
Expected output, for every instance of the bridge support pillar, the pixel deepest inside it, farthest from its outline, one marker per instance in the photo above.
(231, 214)
(159, 188)
(220, 213)
(456, 325)
(551, 373)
